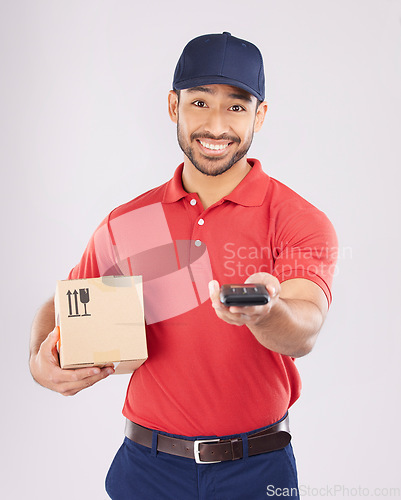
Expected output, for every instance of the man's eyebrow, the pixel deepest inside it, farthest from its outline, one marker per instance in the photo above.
(243, 97)
(201, 89)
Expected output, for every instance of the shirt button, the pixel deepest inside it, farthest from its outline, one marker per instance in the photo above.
(198, 243)
(201, 222)
(193, 202)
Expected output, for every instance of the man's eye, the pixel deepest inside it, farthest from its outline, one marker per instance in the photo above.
(237, 107)
(200, 104)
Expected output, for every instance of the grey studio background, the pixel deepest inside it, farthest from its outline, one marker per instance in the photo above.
(84, 128)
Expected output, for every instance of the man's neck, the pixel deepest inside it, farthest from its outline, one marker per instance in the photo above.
(211, 189)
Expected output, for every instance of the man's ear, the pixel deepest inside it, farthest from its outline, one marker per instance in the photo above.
(260, 115)
(173, 105)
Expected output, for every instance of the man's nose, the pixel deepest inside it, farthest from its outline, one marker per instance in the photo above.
(217, 123)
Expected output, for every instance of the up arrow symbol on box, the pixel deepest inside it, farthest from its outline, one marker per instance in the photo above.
(75, 293)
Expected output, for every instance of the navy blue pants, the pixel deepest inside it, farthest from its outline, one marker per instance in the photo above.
(138, 472)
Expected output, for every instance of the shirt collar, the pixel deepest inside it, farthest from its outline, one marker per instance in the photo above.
(250, 192)
(174, 190)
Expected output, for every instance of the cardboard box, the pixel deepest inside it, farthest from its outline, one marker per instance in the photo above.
(101, 322)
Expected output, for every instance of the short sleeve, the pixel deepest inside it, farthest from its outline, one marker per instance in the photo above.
(98, 258)
(306, 246)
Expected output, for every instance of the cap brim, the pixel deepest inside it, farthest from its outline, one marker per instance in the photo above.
(210, 80)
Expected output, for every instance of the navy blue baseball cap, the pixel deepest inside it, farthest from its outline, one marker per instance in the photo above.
(221, 58)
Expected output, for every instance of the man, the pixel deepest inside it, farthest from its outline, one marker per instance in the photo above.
(207, 412)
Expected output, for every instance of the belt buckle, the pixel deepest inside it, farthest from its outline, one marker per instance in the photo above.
(197, 442)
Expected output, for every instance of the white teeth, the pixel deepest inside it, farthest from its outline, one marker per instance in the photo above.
(213, 146)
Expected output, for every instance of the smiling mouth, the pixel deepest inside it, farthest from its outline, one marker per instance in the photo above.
(214, 147)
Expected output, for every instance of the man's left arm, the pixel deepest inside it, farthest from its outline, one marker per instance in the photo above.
(289, 323)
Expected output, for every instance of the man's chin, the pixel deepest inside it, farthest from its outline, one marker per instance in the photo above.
(212, 168)
(213, 165)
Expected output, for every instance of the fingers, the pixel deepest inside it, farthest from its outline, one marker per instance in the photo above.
(242, 315)
(235, 319)
(70, 382)
(67, 382)
(235, 315)
(273, 290)
(224, 312)
(48, 348)
(52, 339)
(214, 291)
(77, 375)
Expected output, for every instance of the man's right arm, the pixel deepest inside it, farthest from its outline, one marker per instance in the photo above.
(44, 361)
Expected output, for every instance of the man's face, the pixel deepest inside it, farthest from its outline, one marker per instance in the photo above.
(215, 126)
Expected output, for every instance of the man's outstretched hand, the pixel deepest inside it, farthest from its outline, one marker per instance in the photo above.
(246, 315)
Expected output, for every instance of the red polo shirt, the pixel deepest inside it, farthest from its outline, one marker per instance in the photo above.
(204, 376)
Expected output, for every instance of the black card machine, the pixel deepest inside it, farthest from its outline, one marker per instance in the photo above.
(247, 294)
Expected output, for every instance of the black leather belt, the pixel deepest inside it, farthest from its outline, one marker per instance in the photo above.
(204, 451)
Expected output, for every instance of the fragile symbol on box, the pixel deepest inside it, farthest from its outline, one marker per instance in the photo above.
(84, 299)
